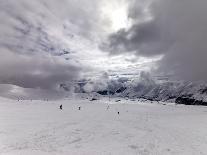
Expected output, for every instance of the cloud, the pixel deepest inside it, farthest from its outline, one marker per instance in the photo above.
(144, 39)
(97, 84)
(35, 36)
(36, 71)
(172, 28)
(46, 26)
(46, 43)
(19, 93)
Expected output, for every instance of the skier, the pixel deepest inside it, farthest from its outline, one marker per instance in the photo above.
(61, 107)
(79, 108)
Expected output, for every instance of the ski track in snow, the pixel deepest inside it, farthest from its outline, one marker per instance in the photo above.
(40, 127)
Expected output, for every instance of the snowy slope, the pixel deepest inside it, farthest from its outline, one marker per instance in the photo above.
(40, 127)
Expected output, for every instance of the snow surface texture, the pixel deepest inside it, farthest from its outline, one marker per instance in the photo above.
(141, 128)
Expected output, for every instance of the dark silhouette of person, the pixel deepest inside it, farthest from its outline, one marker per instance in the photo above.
(61, 107)
(79, 108)
(118, 112)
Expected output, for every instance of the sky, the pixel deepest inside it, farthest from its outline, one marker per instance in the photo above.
(47, 42)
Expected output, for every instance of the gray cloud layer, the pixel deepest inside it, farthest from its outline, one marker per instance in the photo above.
(34, 71)
(177, 30)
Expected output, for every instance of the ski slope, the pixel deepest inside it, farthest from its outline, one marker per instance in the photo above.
(141, 128)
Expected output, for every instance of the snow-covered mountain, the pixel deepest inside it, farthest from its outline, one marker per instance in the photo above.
(147, 87)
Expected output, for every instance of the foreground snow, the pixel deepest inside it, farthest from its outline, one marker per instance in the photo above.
(39, 127)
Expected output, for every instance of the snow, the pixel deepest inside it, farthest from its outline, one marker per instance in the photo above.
(141, 128)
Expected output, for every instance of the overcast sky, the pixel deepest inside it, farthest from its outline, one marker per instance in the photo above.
(47, 42)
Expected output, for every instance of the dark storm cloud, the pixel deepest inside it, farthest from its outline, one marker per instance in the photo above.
(177, 29)
(144, 38)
